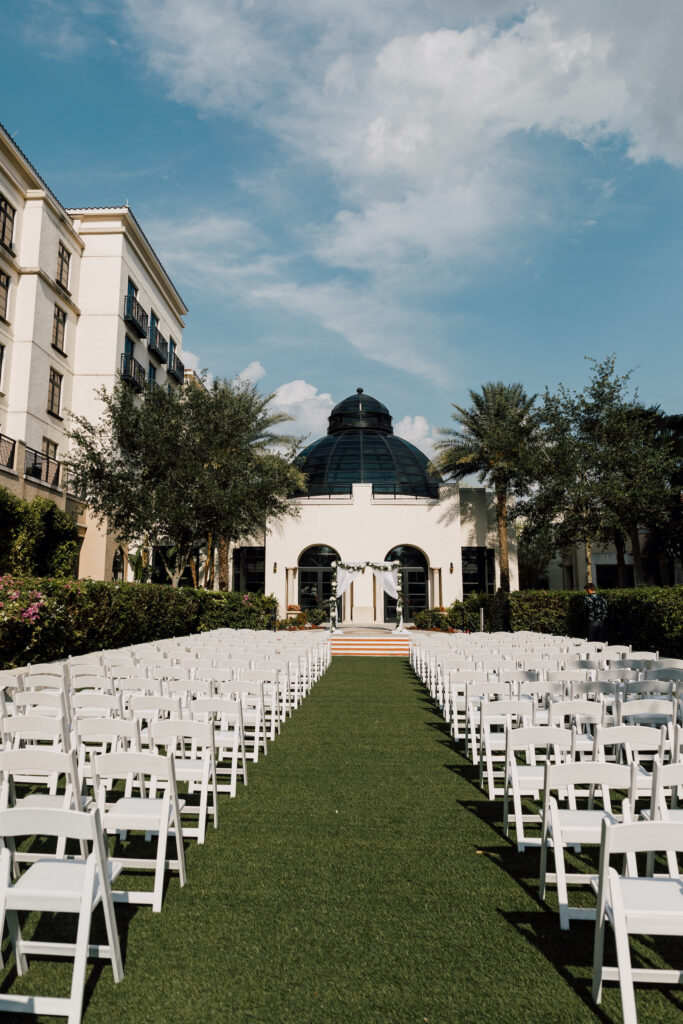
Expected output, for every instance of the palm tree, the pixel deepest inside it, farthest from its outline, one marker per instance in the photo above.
(492, 439)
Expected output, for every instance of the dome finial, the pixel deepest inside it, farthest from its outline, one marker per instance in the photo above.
(359, 391)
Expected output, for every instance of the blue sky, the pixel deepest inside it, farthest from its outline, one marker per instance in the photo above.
(412, 196)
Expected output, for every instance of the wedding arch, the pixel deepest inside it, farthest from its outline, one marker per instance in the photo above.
(387, 574)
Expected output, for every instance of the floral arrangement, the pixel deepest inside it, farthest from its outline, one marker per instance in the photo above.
(293, 607)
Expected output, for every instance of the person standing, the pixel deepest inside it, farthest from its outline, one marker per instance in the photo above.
(596, 613)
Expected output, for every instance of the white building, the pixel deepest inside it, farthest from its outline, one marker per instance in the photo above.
(370, 498)
(84, 301)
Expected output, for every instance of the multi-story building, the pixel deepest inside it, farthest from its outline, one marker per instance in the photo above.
(84, 301)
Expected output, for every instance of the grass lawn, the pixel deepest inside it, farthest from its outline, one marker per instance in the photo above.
(361, 877)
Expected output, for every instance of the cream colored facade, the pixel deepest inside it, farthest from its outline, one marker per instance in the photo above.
(65, 329)
(365, 527)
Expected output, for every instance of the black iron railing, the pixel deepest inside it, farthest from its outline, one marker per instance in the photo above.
(134, 314)
(41, 467)
(7, 449)
(176, 369)
(132, 372)
(157, 344)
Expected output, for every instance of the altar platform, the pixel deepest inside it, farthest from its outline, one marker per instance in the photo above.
(370, 641)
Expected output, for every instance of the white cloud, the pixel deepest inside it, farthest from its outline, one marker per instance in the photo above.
(253, 372)
(191, 361)
(419, 432)
(308, 407)
(426, 115)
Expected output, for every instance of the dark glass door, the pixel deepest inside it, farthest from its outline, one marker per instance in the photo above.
(315, 578)
(415, 583)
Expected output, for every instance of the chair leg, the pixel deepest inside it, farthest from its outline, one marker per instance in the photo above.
(628, 996)
(16, 940)
(81, 953)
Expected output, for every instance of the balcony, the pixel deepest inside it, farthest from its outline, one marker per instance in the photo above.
(132, 372)
(7, 449)
(41, 467)
(176, 369)
(157, 344)
(134, 314)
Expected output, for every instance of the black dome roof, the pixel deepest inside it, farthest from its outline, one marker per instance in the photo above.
(360, 447)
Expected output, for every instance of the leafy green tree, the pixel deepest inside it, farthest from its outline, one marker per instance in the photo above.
(602, 467)
(179, 469)
(493, 439)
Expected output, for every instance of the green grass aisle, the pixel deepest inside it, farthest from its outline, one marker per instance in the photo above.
(361, 877)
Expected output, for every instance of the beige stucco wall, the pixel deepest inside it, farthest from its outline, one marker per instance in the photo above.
(363, 528)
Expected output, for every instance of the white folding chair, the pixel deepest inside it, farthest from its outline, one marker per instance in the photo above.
(577, 826)
(535, 744)
(151, 815)
(68, 886)
(192, 747)
(635, 906)
(495, 718)
(226, 716)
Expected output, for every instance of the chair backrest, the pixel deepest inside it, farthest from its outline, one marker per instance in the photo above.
(604, 776)
(539, 737)
(37, 762)
(634, 739)
(40, 702)
(171, 732)
(94, 704)
(647, 706)
(152, 707)
(31, 729)
(129, 765)
(576, 712)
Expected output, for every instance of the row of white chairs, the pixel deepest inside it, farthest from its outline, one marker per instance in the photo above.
(79, 764)
(587, 762)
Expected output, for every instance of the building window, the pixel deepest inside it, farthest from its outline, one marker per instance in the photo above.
(4, 295)
(63, 261)
(59, 330)
(171, 351)
(7, 213)
(2, 363)
(151, 375)
(49, 448)
(478, 571)
(54, 394)
(132, 289)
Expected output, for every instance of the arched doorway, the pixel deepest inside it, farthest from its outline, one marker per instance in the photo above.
(315, 577)
(415, 583)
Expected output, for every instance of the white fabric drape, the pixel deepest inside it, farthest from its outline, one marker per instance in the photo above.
(388, 580)
(345, 577)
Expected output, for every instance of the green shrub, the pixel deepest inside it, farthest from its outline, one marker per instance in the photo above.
(48, 619)
(11, 514)
(647, 618)
(36, 538)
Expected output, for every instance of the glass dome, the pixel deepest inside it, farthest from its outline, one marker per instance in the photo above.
(360, 447)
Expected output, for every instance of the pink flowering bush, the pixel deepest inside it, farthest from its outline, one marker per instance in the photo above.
(46, 619)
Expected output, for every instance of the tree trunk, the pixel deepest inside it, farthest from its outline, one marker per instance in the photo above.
(638, 573)
(224, 564)
(589, 559)
(502, 519)
(620, 545)
(664, 578)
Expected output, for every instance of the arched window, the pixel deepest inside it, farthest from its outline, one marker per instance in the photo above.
(315, 576)
(415, 582)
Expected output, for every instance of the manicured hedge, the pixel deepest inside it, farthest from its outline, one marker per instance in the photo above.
(647, 618)
(48, 619)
